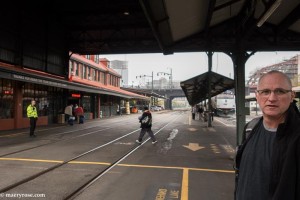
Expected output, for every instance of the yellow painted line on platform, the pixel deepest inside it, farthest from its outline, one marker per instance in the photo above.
(121, 165)
(32, 160)
(185, 184)
(11, 135)
(89, 163)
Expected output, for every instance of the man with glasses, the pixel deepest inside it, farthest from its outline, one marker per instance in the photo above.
(268, 161)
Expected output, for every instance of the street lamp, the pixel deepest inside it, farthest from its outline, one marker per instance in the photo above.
(140, 76)
(168, 74)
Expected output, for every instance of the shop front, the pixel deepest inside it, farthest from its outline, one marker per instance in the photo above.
(52, 94)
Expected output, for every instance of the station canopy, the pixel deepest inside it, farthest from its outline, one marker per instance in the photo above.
(155, 26)
(41, 29)
(196, 89)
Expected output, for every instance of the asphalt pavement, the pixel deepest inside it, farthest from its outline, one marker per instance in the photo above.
(190, 161)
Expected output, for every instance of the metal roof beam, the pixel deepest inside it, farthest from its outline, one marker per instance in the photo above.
(289, 20)
(229, 3)
(153, 25)
(210, 12)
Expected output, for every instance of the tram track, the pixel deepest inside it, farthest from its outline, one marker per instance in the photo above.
(61, 140)
(83, 187)
(34, 176)
(68, 132)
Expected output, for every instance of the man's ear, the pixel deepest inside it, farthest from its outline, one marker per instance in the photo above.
(292, 95)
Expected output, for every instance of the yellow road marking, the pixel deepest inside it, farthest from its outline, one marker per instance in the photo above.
(193, 146)
(89, 163)
(11, 135)
(185, 185)
(32, 160)
(121, 165)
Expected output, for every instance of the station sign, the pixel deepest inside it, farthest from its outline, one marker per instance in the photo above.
(8, 92)
(76, 95)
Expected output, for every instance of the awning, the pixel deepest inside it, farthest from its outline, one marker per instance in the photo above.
(196, 89)
(22, 75)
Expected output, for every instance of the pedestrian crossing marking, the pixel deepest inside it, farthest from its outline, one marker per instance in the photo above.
(215, 148)
(228, 148)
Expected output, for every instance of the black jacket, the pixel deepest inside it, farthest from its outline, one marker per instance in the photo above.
(285, 160)
(146, 119)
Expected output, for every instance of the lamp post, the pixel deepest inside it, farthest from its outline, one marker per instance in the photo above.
(140, 76)
(151, 101)
(170, 77)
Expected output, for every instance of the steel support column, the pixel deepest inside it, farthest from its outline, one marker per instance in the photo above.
(239, 59)
(209, 54)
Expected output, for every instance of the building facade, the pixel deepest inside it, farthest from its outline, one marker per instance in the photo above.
(88, 82)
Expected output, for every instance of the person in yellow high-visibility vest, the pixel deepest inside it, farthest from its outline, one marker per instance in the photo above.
(33, 116)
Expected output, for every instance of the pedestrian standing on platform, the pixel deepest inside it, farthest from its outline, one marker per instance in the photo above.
(74, 112)
(268, 161)
(33, 117)
(69, 114)
(200, 111)
(193, 112)
(79, 114)
(146, 124)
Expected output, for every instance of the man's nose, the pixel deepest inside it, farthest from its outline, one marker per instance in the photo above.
(273, 97)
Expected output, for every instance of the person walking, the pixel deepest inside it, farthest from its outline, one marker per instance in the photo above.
(146, 124)
(268, 161)
(200, 111)
(193, 112)
(32, 114)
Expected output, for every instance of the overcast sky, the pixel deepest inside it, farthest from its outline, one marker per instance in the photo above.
(188, 65)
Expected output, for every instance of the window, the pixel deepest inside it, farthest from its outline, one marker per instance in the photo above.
(117, 82)
(80, 70)
(97, 59)
(40, 94)
(84, 70)
(6, 99)
(107, 79)
(94, 75)
(88, 57)
(102, 77)
(88, 72)
(76, 68)
(86, 104)
(70, 67)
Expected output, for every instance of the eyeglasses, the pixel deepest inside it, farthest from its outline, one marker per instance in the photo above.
(277, 92)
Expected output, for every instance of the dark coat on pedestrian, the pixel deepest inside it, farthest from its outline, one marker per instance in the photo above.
(285, 159)
(146, 119)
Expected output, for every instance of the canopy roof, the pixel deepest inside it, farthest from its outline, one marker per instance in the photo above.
(148, 26)
(196, 89)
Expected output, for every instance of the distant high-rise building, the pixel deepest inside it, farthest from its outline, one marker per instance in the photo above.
(122, 68)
